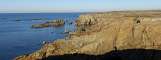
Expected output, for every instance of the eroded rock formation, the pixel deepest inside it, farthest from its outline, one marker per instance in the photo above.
(101, 33)
(53, 23)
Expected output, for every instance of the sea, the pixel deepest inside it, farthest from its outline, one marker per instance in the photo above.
(17, 37)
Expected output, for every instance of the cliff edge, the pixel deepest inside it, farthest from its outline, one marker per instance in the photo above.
(100, 33)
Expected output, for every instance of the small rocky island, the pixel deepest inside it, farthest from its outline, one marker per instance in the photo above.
(53, 23)
(100, 33)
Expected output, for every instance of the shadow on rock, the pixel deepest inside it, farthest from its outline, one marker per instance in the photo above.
(130, 54)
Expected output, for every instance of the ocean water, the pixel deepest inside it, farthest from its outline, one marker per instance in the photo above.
(18, 38)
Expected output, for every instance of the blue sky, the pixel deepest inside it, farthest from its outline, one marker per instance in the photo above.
(76, 5)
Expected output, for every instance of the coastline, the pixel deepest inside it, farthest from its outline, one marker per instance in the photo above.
(100, 33)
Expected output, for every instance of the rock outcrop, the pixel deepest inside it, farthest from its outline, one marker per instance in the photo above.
(53, 23)
(101, 33)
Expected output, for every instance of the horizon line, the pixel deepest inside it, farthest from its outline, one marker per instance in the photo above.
(90, 11)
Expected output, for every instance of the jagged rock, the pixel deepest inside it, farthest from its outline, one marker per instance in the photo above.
(54, 23)
(101, 33)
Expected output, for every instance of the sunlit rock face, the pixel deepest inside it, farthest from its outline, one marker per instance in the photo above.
(100, 33)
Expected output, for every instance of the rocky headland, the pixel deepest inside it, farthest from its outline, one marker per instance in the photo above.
(100, 33)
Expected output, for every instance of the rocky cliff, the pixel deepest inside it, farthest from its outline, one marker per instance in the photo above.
(100, 33)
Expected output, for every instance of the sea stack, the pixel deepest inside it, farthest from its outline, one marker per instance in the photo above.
(53, 23)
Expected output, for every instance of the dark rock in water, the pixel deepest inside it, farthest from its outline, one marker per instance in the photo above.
(17, 20)
(39, 18)
(44, 42)
(54, 23)
(67, 32)
(52, 32)
(71, 23)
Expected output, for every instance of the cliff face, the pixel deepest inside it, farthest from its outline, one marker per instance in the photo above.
(104, 32)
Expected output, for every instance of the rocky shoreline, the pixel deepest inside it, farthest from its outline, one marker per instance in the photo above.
(100, 33)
